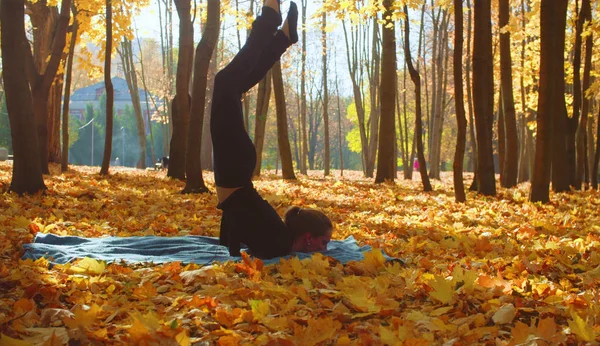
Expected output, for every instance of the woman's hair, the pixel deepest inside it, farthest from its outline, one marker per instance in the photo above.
(300, 221)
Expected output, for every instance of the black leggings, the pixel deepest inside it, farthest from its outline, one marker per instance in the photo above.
(234, 153)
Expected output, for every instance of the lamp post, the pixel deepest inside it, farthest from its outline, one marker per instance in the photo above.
(123, 143)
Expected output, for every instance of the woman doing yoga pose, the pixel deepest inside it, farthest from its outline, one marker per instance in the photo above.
(247, 218)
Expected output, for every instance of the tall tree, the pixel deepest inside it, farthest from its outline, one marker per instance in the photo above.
(303, 137)
(262, 110)
(204, 52)
(283, 141)
(576, 136)
(147, 96)
(416, 79)
(483, 96)
(461, 120)
(386, 160)
(472, 137)
(64, 163)
(561, 169)
(182, 100)
(27, 167)
(551, 94)
(109, 91)
(374, 76)
(326, 163)
(126, 53)
(510, 168)
(41, 79)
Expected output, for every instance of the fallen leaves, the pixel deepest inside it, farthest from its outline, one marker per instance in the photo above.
(491, 271)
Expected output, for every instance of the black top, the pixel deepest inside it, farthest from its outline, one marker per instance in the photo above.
(249, 219)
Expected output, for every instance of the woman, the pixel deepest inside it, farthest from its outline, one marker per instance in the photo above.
(247, 218)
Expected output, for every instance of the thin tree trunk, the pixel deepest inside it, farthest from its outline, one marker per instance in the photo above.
(206, 155)
(472, 137)
(303, 138)
(562, 167)
(27, 167)
(283, 141)
(204, 52)
(54, 111)
(126, 54)
(459, 154)
(109, 92)
(414, 75)
(551, 90)
(262, 110)
(524, 172)
(375, 105)
(386, 160)
(182, 100)
(596, 155)
(64, 164)
(148, 117)
(483, 96)
(510, 169)
(501, 137)
(326, 162)
(581, 133)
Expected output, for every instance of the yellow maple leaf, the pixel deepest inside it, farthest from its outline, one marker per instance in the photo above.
(443, 289)
(260, 309)
(6, 340)
(88, 266)
(143, 326)
(183, 339)
(581, 328)
(82, 317)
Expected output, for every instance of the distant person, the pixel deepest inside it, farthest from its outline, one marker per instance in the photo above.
(165, 162)
(247, 218)
(416, 165)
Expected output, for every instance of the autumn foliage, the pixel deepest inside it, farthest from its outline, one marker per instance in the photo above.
(494, 270)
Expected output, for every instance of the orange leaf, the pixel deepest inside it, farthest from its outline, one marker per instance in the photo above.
(23, 305)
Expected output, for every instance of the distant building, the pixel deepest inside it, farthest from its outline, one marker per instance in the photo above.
(92, 94)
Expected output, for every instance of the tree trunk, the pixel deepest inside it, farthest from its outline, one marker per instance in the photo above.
(386, 159)
(204, 52)
(303, 137)
(510, 169)
(459, 153)
(64, 164)
(182, 100)
(373, 123)
(472, 137)
(126, 54)
(596, 154)
(148, 116)
(206, 156)
(352, 60)
(27, 167)
(326, 162)
(262, 110)
(579, 172)
(524, 172)
(437, 118)
(414, 76)
(551, 90)
(561, 135)
(54, 107)
(483, 96)
(283, 141)
(340, 125)
(41, 80)
(501, 137)
(109, 92)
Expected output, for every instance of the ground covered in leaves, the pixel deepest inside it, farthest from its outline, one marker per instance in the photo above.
(495, 271)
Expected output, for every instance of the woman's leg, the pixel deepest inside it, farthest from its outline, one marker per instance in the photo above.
(269, 56)
(234, 154)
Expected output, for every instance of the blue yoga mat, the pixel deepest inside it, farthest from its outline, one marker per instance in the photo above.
(188, 249)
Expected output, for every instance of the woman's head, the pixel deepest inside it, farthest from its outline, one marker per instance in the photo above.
(310, 228)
